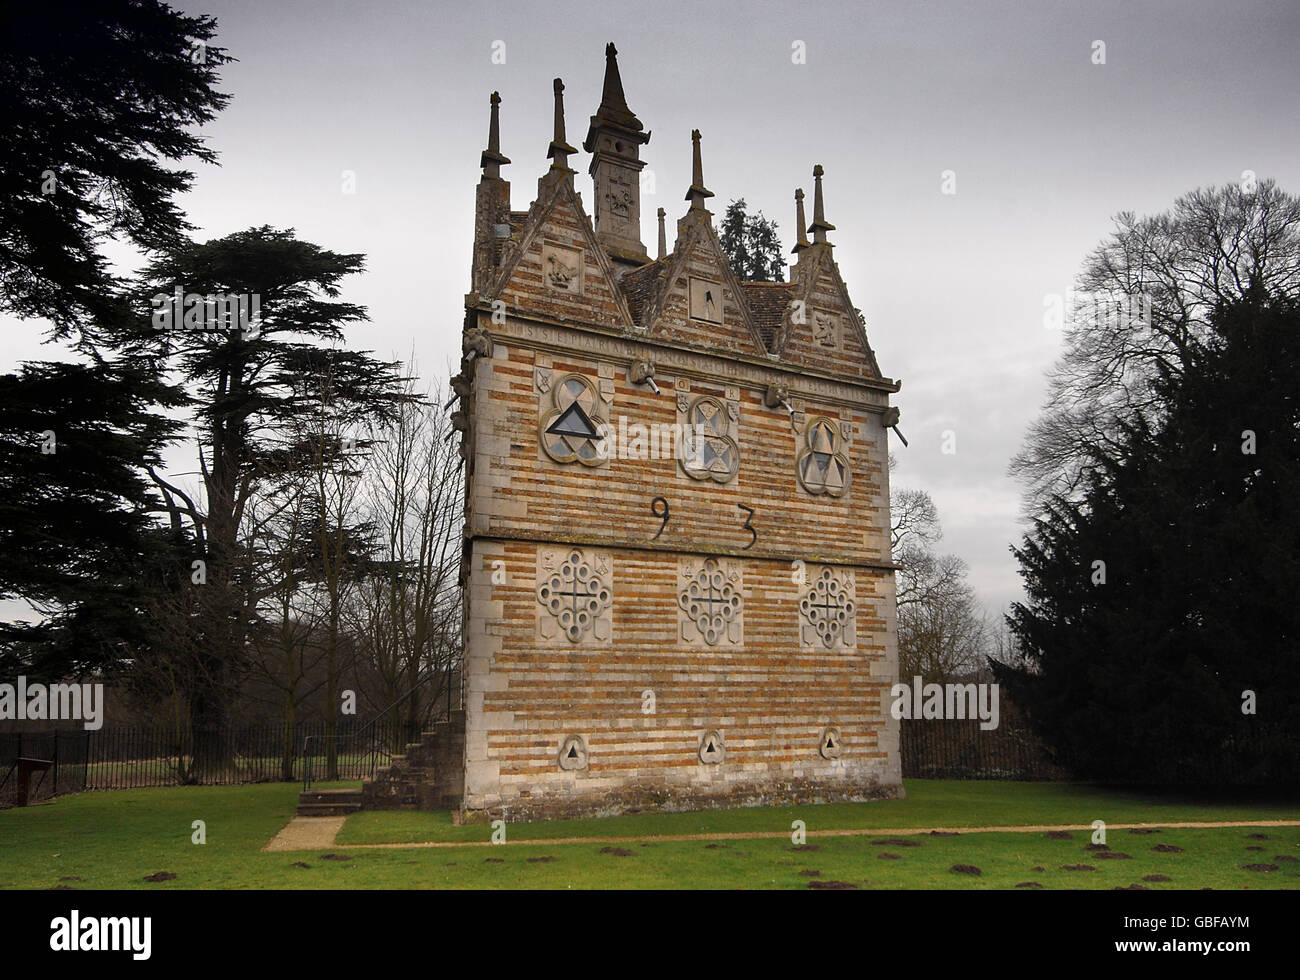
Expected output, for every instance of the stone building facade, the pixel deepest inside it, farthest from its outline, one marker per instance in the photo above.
(678, 588)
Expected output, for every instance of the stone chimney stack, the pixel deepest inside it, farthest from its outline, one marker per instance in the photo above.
(491, 205)
(614, 139)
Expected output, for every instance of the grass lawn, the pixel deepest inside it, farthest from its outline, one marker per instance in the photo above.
(929, 803)
(113, 840)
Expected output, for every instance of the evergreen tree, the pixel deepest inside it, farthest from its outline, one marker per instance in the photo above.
(751, 244)
(96, 97)
(1161, 626)
(253, 343)
(76, 512)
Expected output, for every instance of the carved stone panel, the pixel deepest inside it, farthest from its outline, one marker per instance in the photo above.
(572, 420)
(706, 300)
(562, 268)
(822, 467)
(619, 195)
(712, 749)
(831, 744)
(575, 595)
(710, 450)
(826, 329)
(710, 602)
(828, 610)
(573, 753)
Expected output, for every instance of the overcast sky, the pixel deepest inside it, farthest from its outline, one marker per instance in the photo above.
(1046, 146)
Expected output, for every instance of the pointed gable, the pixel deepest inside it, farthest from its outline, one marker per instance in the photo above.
(559, 270)
(698, 300)
(823, 330)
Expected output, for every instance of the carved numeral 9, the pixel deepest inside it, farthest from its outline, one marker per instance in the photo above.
(654, 509)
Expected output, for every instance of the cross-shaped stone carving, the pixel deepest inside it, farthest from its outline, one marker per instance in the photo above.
(574, 595)
(711, 602)
(827, 607)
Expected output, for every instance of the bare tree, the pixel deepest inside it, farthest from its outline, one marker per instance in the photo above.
(406, 610)
(944, 634)
(285, 654)
(343, 540)
(1003, 647)
(941, 632)
(1143, 303)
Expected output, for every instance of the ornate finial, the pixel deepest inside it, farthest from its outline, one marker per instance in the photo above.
(492, 159)
(613, 115)
(559, 150)
(698, 191)
(663, 237)
(801, 230)
(819, 226)
(611, 97)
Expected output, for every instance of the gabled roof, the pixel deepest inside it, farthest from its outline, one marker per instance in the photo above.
(815, 263)
(696, 242)
(768, 304)
(639, 285)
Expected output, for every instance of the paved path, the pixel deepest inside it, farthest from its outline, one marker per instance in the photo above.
(305, 839)
(306, 834)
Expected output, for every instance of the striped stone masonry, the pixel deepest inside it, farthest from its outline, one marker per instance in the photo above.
(678, 590)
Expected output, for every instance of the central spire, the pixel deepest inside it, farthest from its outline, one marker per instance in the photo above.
(614, 140)
(613, 104)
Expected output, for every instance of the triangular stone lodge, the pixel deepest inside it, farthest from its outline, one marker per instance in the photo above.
(672, 629)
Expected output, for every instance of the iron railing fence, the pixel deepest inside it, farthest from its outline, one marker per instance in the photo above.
(960, 749)
(142, 756)
(135, 757)
(947, 749)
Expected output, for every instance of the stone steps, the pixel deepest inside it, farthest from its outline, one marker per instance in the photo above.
(328, 809)
(329, 802)
(428, 775)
